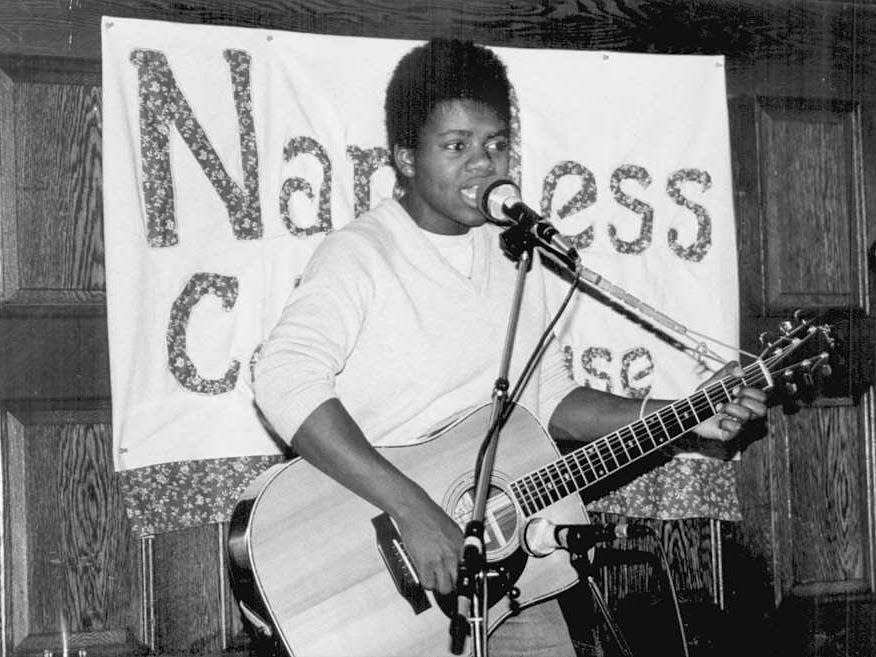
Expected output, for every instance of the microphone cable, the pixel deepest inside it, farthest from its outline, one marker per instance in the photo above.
(672, 592)
(525, 375)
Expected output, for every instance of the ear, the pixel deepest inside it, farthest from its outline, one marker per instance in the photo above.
(404, 160)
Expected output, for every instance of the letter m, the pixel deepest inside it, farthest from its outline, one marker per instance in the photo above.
(162, 104)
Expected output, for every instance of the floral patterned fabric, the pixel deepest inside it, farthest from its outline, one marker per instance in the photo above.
(681, 488)
(171, 496)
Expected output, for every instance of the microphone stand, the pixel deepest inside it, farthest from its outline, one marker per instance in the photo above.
(472, 571)
(580, 561)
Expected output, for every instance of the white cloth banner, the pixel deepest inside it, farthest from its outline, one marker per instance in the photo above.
(229, 152)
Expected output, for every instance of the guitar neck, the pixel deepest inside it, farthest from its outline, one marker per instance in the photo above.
(603, 457)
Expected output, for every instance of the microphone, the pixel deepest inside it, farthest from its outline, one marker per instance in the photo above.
(541, 537)
(500, 200)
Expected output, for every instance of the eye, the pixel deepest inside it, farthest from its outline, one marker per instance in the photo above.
(456, 145)
(499, 145)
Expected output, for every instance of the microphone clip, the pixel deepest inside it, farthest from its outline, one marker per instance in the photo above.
(516, 239)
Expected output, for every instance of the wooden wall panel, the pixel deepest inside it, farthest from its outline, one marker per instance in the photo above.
(810, 204)
(50, 177)
(192, 599)
(823, 535)
(69, 560)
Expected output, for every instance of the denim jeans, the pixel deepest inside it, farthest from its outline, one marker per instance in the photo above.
(537, 631)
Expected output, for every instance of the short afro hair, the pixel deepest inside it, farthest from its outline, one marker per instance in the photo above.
(438, 71)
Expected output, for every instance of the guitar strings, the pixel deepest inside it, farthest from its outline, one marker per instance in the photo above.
(535, 489)
(550, 480)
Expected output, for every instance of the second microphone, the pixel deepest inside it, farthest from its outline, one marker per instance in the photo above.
(541, 537)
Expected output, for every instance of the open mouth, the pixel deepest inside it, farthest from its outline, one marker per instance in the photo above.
(470, 195)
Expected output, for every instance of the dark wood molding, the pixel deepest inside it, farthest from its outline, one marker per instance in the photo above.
(835, 41)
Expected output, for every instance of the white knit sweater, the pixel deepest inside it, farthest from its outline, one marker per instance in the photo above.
(404, 340)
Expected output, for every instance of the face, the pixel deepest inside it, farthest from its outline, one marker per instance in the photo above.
(462, 145)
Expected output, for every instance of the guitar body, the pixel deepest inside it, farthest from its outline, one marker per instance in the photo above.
(325, 569)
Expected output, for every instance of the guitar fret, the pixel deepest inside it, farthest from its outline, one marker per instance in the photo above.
(613, 455)
(549, 488)
(670, 420)
(525, 497)
(581, 467)
(534, 497)
(726, 392)
(619, 454)
(565, 477)
(663, 426)
(595, 448)
(552, 485)
(763, 371)
(693, 409)
(623, 445)
(593, 468)
(519, 495)
(541, 491)
(659, 431)
(571, 483)
(678, 417)
(631, 441)
(709, 400)
(650, 435)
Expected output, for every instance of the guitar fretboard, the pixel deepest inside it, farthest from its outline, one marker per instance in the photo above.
(599, 459)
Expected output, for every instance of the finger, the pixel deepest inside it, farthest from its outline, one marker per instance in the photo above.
(756, 407)
(735, 411)
(427, 580)
(744, 392)
(752, 399)
(443, 581)
(452, 567)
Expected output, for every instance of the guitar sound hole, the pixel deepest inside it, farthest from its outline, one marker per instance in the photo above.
(502, 577)
(500, 520)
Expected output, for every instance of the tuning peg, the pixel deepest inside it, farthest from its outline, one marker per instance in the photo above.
(786, 327)
(798, 317)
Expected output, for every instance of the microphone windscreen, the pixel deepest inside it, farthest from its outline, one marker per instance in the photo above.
(493, 196)
(539, 539)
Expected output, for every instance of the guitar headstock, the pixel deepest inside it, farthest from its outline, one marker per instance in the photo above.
(799, 356)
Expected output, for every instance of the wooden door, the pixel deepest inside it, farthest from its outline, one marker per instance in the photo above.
(807, 487)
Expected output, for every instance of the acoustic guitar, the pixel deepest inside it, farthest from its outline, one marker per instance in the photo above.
(324, 573)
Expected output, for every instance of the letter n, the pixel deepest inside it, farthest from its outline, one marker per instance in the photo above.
(162, 104)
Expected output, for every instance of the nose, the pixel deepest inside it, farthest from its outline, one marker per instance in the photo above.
(482, 160)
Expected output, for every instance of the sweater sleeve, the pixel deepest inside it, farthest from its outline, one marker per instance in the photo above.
(555, 381)
(318, 327)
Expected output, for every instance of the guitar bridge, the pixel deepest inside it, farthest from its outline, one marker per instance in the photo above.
(398, 563)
